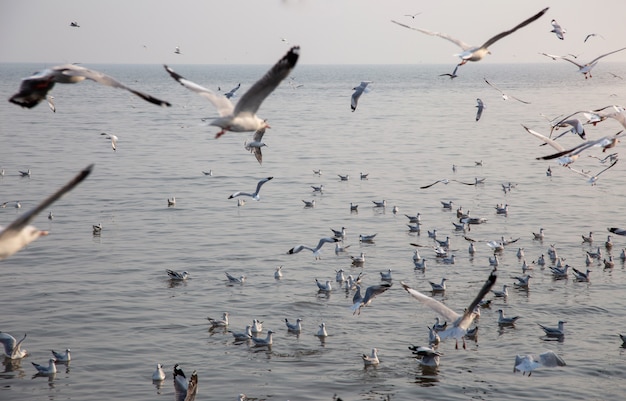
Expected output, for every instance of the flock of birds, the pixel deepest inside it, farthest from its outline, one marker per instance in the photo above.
(242, 117)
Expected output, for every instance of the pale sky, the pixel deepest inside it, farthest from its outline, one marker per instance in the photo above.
(328, 31)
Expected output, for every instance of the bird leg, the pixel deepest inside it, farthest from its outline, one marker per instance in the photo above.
(219, 134)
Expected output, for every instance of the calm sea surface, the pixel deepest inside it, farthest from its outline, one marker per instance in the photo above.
(109, 299)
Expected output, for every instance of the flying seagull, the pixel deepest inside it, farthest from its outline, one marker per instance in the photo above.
(358, 91)
(557, 30)
(528, 363)
(476, 53)
(255, 194)
(231, 92)
(34, 89)
(242, 117)
(592, 179)
(504, 95)
(480, 107)
(19, 233)
(359, 301)
(256, 144)
(316, 250)
(586, 68)
(461, 322)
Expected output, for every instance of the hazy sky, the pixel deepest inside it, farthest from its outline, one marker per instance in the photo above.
(328, 31)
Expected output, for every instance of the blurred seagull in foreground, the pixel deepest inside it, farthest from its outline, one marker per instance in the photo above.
(255, 194)
(476, 53)
(358, 91)
(460, 322)
(528, 363)
(242, 117)
(34, 89)
(19, 233)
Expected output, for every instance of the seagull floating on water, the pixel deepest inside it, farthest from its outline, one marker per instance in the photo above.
(19, 233)
(506, 321)
(242, 336)
(242, 117)
(51, 369)
(372, 359)
(554, 331)
(235, 280)
(177, 276)
(62, 357)
(223, 322)
(158, 374)
(294, 327)
(34, 89)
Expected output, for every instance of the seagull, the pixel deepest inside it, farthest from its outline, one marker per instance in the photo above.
(209, 173)
(522, 281)
(382, 203)
(358, 260)
(476, 53)
(586, 68)
(178, 276)
(446, 205)
(97, 229)
(51, 369)
(324, 286)
(588, 239)
(322, 330)
(504, 95)
(339, 249)
(319, 188)
(339, 233)
(309, 204)
(241, 336)
(257, 326)
(34, 89)
(158, 374)
(353, 207)
(439, 287)
(592, 179)
(538, 235)
(557, 30)
(171, 202)
(256, 144)
(506, 321)
(12, 347)
(371, 292)
(480, 107)
(241, 202)
(528, 363)
(581, 276)
(19, 233)
(217, 322)
(366, 238)
(185, 391)
(386, 276)
(177, 50)
(343, 177)
(592, 35)
(267, 341)
(358, 91)
(568, 156)
(255, 194)
(25, 173)
(278, 274)
(231, 92)
(426, 355)
(294, 327)
(74, 24)
(443, 181)
(242, 117)
(414, 219)
(50, 100)
(554, 331)
(316, 250)
(576, 128)
(412, 15)
(235, 280)
(461, 322)
(617, 230)
(364, 175)
(452, 76)
(113, 139)
(372, 359)
(501, 294)
(62, 357)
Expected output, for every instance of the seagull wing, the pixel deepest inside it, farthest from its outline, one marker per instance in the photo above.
(260, 183)
(457, 42)
(26, 218)
(480, 107)
(252, 99)
(373, 291)
(468, 315)
(192, 387)
(550, 359)
(9, 342)
(72, 70)
(604, 55)
(430, 185)
(432, 303)
(493, 86)
(223, 104)
(510, 31)
(258, 135)
(323, 241)
(545, 139)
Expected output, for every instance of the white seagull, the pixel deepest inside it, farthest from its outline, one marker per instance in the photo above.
(242, 117)
(480, 107)
(158, 374)
(12, 347)
(504, 95)
(326, 286)
(267, 341)
(528, 363)
(113, 139)
(246, 335)
(461, 322)
(256, 144)
(34, 89)
(557, 30)
(62, 356)
(219, 322)
(294, 327)
(235, 280)
(554, 331)
(51, 369)
(178, 276)
(476, 53)
(316, 250)
(231, 92)
(371, 292)
(255, 194)
(372, 359)
(586, 68)
(19, 233)
(358, 91)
